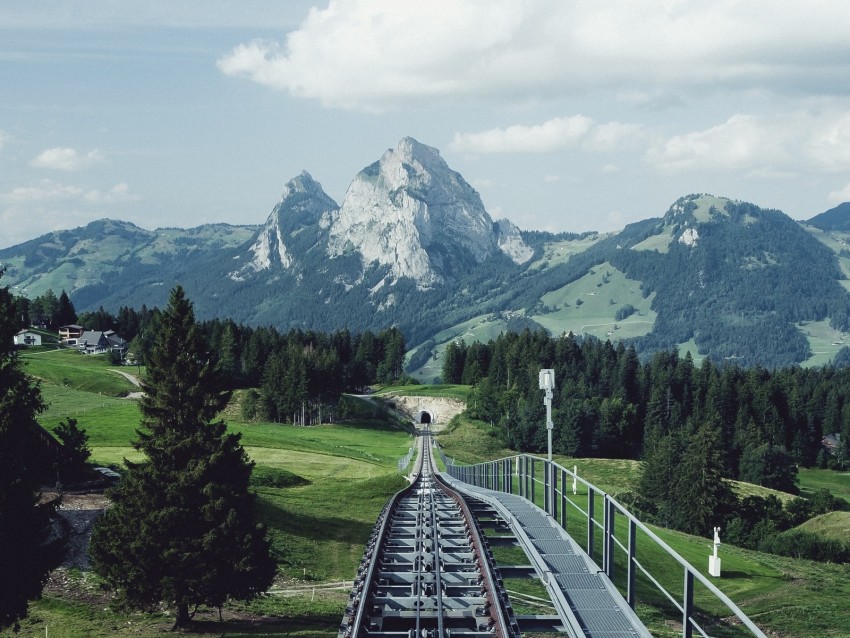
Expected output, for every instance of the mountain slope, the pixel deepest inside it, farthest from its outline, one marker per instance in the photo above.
(89, 261)
(837, 218)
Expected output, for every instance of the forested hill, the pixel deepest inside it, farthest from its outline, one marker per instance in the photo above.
(736, 280)
(837, 218)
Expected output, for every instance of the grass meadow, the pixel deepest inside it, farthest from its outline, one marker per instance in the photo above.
(338, 477)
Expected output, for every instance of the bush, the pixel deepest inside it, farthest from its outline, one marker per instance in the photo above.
(264, 476)
(800, 544)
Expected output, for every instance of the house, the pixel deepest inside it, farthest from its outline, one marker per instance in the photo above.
(101, 341)
(27, 338)
(70, 334)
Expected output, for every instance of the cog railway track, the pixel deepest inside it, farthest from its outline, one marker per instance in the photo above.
(427, 571)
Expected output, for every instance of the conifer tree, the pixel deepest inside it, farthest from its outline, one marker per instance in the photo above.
(65, 313)
(26, 555)
(182, 528)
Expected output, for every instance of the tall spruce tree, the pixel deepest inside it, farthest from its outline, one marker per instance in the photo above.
(26, 553)
(182, 528)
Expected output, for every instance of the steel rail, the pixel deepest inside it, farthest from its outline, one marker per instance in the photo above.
(427, 571)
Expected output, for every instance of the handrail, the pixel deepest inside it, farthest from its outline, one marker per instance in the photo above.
(499, 475)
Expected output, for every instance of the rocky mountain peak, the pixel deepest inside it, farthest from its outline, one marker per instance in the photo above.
(303, 204)
(411, 212)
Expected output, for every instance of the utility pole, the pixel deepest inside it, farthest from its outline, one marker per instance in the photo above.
(547, 384)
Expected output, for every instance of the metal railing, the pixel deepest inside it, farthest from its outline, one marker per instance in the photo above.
(565, 496)
(404, 461)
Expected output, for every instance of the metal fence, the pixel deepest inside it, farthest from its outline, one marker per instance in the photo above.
(404, 461)
(611, 536)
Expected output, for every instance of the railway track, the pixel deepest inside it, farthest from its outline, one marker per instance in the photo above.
(427, 571)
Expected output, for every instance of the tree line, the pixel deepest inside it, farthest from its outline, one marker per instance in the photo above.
(293, 377)
(610, 403)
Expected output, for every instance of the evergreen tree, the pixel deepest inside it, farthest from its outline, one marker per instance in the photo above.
(75, 451)
(26, 555)
(182, 528)
(770, 466)
(65, 313)
(702, 499)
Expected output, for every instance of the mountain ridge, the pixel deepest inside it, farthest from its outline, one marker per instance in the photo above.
(412, 246)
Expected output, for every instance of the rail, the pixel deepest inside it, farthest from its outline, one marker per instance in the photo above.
(557, 491)
(427, 571)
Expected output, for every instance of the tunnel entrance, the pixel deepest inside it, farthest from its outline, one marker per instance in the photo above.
(424, 417)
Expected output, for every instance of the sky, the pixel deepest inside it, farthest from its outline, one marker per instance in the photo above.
(565, 115)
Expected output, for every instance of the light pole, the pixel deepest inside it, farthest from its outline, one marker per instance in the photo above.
(547, 384)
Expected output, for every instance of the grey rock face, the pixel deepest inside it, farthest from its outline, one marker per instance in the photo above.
(302, 206)
(411, 212)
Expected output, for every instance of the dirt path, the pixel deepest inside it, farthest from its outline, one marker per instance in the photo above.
(132, 378)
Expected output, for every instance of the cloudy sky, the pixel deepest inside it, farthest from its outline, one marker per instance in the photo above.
(564, 114)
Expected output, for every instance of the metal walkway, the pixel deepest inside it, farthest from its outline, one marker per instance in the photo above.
(586, 600)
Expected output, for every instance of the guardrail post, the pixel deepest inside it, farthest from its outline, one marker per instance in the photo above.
(688, 605)
(612, 514)
(590, 524)
(606, 536)
(521, 475)
(532, 480)
(564, 499)
(546, 503)
(553, 487)
(630, 579)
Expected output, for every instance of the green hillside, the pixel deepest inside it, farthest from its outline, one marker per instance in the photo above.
(834, 525)
(590, 304)
(320, 491)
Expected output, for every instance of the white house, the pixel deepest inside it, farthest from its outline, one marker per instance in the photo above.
(27, 338)
(99, 342)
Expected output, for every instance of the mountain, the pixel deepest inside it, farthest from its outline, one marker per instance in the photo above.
(106, 256)
(412, 245)
(296, 226)
(837, 218)
(411, 212)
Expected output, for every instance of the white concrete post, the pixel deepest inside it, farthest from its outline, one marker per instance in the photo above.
(714, 560)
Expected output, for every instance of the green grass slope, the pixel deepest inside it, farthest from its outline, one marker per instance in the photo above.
(320, 490)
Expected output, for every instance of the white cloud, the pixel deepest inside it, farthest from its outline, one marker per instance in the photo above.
(45, 191)
(50, 191)
(840, 196)
(551, 179)
(762, 146)
(738, 143)
(374, 54)
(66, 159)
(557, 133)
(30, 211)
(4, 137)
(118, 193)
